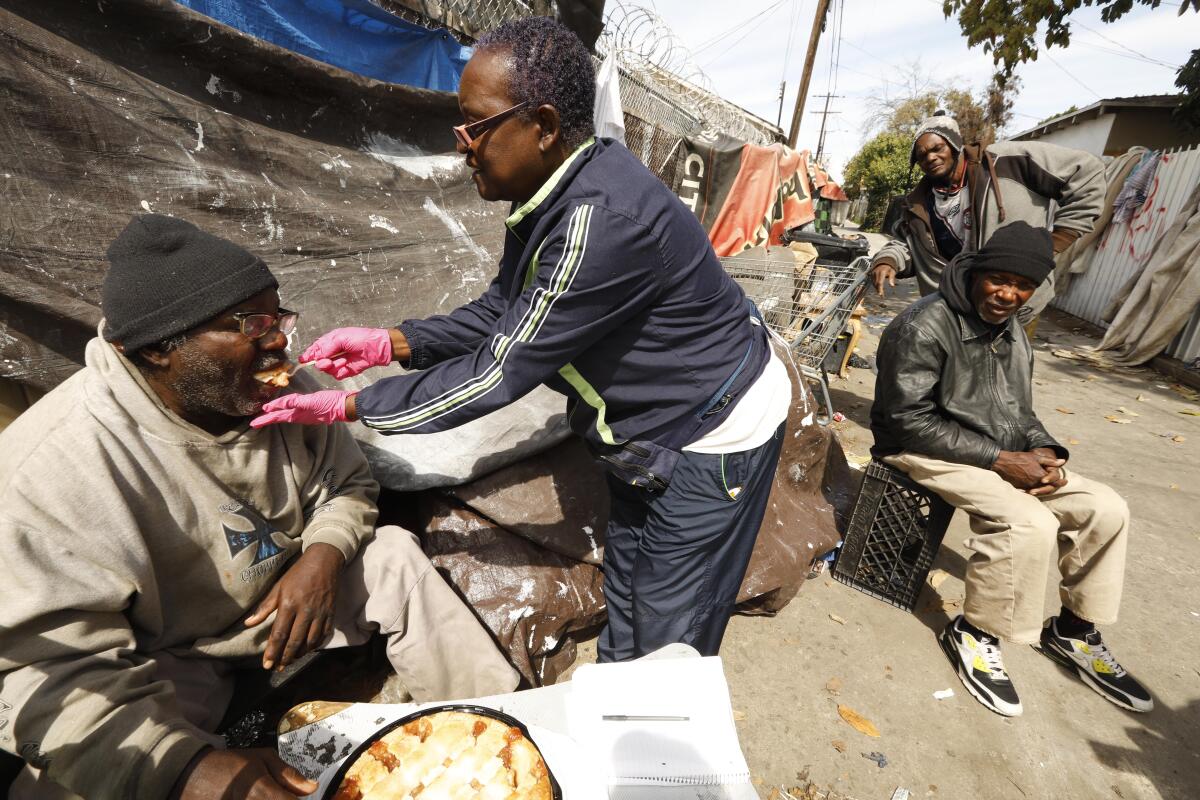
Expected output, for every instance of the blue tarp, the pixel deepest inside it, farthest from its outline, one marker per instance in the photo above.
(352, 34)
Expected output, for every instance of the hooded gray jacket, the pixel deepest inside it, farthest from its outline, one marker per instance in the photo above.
(953, 387)
(1008, 181)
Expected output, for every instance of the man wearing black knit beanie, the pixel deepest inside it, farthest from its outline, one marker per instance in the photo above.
(152, 540)
(954, 411)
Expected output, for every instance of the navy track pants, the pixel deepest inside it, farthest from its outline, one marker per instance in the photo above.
(674, 561)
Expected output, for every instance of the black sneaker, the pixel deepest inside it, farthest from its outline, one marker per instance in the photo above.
(1096, 666)
(981, 669)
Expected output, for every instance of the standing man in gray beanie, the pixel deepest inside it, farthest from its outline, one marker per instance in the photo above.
(969, 191)
(153, 540)
(954, 410)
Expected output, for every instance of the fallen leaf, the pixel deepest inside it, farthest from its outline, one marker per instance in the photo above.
(837, 619)
(839, 745)
(1191, 413)
(1141, 398)
(1124, 410)
(833, 685)
(857, 721)
(1178, 439)
(1062, 410)
(1118, 420)
(1174, 486)
(937, 577)
(1072, 441)
(1180, 389)
(739, 716)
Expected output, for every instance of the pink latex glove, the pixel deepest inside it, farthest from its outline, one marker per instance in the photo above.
(319, 408)
(344, 352)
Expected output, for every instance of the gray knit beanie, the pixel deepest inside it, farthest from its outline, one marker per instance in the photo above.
(944, 126)
(167, 276)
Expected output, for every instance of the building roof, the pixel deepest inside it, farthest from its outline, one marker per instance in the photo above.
(1106, 106)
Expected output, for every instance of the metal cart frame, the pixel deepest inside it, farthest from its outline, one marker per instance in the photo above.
(808, 305)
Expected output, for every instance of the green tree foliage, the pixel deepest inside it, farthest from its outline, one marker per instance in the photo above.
(880, 168)
(981, 117)
(1008, 30)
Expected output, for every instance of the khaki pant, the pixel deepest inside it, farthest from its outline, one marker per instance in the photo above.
(1014, 536)
(434, 643)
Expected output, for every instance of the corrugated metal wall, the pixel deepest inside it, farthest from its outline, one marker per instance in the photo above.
(1125, 249)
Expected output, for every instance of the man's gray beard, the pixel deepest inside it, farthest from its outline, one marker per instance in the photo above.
(205, 385)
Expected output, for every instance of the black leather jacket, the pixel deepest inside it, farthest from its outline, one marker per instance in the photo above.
(953, 387)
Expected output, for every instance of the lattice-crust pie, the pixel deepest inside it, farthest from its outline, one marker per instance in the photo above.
(449, 754)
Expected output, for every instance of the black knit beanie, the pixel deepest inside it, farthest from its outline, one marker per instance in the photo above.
(167, 276)
(1018, 248)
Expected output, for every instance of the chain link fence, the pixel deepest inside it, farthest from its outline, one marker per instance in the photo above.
(665, 97)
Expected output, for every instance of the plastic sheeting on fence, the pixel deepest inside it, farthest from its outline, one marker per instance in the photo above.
(1163, 296)
(745, 195)
(1104, 272)
(354, 35)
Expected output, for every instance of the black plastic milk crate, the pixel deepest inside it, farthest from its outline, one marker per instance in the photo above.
(894, 533)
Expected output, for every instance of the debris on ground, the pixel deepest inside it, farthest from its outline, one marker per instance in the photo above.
(1118, 420)
(839, 745)
(857, 721)
(833, 685)
(1062, 410)
(943, 694)
(937, 577)
(942, 604)
(837, 619)
(879, 758)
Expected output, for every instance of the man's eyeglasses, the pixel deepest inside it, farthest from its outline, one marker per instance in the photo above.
(255, 324)
(467, 134)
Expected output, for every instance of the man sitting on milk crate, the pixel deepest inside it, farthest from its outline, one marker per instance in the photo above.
(953, 410)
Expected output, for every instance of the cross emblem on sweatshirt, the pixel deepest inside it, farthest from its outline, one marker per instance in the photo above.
(258, 537)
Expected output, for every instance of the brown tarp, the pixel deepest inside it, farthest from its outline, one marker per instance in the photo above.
(548, 513)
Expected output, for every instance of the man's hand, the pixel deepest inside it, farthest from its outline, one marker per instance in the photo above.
(1025, 470)
(344, 352)
(303, 604)
(883, 272)
(1054, 478)
(257, 774)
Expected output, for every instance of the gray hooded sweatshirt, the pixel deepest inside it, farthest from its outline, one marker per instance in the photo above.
(125, 531)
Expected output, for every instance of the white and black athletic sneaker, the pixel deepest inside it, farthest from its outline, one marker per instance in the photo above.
(1096, 666)
(980, 667)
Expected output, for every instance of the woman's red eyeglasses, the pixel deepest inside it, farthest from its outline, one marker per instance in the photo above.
(467, 134)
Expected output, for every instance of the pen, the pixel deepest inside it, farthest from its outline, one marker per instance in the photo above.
(643, 718)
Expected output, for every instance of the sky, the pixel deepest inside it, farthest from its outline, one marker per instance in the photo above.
(882, 39)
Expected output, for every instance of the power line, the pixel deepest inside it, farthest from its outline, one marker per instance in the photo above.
(756, 18)
(1135, 53)
(1072, 76)
(749, 31)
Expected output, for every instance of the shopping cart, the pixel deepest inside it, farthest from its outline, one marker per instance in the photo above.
(808, 305)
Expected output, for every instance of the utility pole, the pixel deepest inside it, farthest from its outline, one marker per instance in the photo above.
(779, 116)
(824, 118)
(813, 39)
